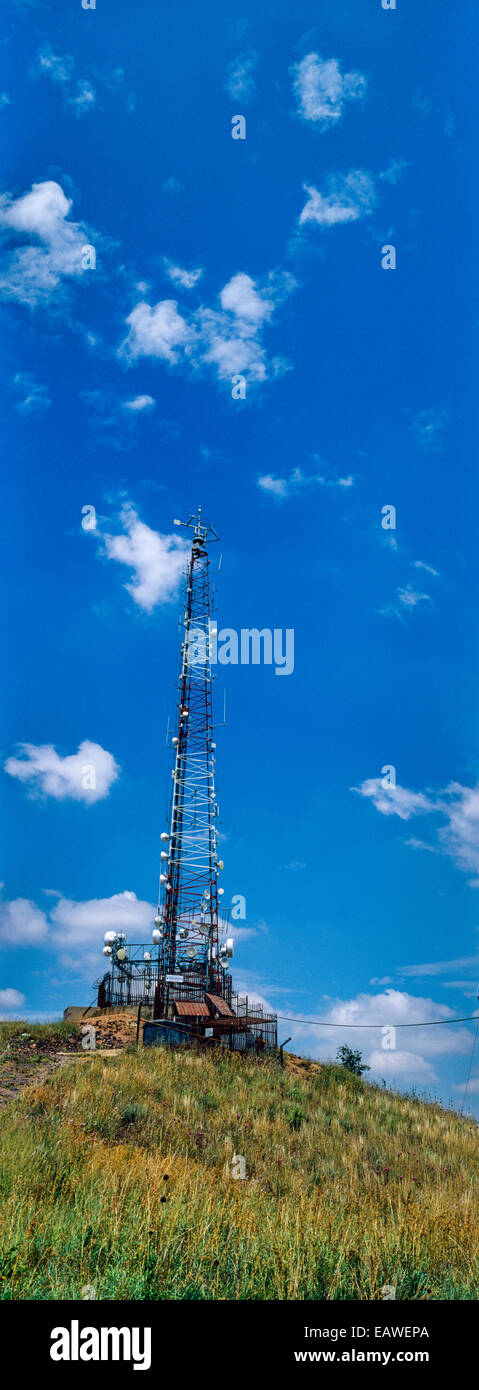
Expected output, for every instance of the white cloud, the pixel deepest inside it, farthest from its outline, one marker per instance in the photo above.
(323, 90)
(458, 806)
(5, 100)
(55, 65)
(33, 397)
(297, 482)
(228, 339)
(59, 67)
(240, 83)
(409, 1066)
(472, 1086)
(186, 278)
(155, 332)
(33, 272)
(394, 801)
(84, 98)
(83, 776)
(76, 922)
(407, 600)
(416, 1050)
(116, 421)
(11, 999)
(157, 561)
(441, 967)
(278, 487)
(422, 844)
(460, 836)
(394, 170)
(22, 923)
(348, 197)
(242, 298)
(421, 565)
(74, 931)
(410, 597)
(140, 403)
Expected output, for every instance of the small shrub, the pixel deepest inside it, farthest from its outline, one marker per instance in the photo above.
(352, 1060)
(295, 1118)
(133, 1112)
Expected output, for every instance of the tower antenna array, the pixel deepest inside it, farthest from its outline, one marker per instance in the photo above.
(190, 962)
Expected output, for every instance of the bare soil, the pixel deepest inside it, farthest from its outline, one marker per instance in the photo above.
(27, 1060)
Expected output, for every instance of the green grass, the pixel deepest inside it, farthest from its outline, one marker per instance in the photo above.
(11, 1033)
(116, 1173)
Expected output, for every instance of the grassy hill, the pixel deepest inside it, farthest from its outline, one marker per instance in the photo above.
(115, 1173)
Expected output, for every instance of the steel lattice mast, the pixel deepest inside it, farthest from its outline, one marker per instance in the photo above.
(188, 911)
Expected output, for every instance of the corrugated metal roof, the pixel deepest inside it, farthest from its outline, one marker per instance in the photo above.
(220, 1005)
(194, 1008)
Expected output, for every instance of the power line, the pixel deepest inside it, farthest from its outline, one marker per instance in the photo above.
(429, 1023)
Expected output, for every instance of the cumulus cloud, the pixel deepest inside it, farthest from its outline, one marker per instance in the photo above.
(405, 1056)
(83, 98)
(409, 1066)
(156, 561)
(158, 331)
(186, 278)
(22, 923)
(347, 198)
(240, 83)
(51, 248)
(297, 482)
(459, 837)
(11, 999)
(139, 403)
(83, 776)
(394, 800)
(80, 921)
(55, 65)
(73, 930)
(323, 90)
(456, 806)
(227, 339)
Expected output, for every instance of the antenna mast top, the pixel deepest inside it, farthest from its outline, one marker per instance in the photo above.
(202, 534)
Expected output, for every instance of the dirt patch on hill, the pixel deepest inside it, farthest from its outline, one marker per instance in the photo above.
(301, 1066)
(28, 1060)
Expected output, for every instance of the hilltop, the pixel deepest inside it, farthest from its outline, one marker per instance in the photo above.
(117, 1175)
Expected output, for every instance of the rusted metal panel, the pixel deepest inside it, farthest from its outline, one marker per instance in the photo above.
(220, 1005)
(192, 1008)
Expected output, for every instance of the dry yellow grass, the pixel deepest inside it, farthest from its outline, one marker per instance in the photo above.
(118, 1174)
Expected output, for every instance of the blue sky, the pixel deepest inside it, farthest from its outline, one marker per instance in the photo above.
(261, 257)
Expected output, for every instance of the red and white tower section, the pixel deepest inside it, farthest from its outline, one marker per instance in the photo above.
(191, 960)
